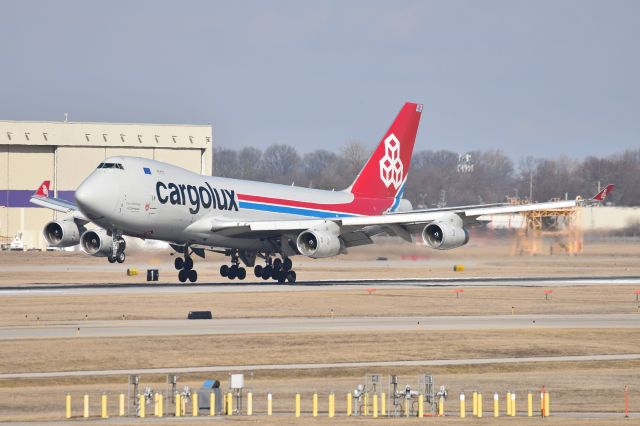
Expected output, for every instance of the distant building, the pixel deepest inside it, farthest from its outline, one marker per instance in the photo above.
(65, 153)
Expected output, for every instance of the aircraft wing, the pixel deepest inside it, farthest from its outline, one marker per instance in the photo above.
(358, 230)
(41, 198)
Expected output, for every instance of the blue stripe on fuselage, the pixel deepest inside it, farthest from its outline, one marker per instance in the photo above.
(396, 203)
(291, 210)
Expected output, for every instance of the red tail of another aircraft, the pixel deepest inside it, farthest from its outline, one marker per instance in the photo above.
(386, 171)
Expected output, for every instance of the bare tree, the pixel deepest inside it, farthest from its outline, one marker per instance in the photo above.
(279, 163)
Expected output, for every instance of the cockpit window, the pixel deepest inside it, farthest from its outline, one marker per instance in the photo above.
(110, 166)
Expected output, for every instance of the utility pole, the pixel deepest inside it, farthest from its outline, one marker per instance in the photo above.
(531, 186)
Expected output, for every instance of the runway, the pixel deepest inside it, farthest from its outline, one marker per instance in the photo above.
(310, 325)
(258, 367)
(235, 286)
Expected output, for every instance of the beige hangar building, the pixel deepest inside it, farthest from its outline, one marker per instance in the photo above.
(66, 152)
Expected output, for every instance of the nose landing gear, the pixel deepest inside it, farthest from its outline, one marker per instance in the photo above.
(117, 251)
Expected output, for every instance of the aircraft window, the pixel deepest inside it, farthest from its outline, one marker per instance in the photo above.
(110, 166)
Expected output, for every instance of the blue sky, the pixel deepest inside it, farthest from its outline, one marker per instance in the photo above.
(542, 78)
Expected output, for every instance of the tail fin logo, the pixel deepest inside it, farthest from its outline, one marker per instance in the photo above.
(391, 167)
(45, 190)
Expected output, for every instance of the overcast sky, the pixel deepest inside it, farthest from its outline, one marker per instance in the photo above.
(539, 78)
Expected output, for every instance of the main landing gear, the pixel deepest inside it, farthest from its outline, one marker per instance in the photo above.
(234, 270)
(185, 266)
(277, 269)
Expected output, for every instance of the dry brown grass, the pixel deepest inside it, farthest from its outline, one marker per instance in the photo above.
(23, 310)
(184, 351)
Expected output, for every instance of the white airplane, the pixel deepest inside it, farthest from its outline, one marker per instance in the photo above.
(130, 196)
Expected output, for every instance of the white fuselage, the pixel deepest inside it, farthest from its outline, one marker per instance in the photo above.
(151, 199)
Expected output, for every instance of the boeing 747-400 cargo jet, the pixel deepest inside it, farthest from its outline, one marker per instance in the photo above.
(130, 196)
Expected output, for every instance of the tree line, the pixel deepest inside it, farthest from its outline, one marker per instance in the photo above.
(440, 178)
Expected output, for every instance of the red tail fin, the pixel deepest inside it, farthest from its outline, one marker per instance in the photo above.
(600, 196)
(43, 189)
(386, 171)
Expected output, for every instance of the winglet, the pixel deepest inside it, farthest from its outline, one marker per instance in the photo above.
(43, 189)
(600, 196)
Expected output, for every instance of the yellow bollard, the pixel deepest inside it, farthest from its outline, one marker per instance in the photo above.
(474, 398)
(406, 408)
(375, 406)
(269, 404)
(546, 404)
(463, 408)
(297, 405)
(441, 406)
(178, 404)
(508, 403)
(479, 405)
(529, 404)
(212, 404)
(229, 404)
(383, 404)
(121, 405)
(314, 407)
(141, 401)
(85, 411)
(420, 406)
(513, 405)
(155, 404)
(349, 402)
(332, 405)
(160, 405)
(194, 405)
(496, 405)
(365, 410)
(67, 405)
(103, 406)
(250, 404)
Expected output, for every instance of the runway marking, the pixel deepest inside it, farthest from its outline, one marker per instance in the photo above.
(258, 367)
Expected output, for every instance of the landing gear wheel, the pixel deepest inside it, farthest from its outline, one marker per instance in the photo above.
(258, 271)
(291, 277)
(287, 264)
(188, 263)
(120, 257)
(266, 272)
(281, 277)
(224, 270)
(111, 259)
(233, 272)
(242, 273)
(178, 263)
(183, 275)
(277, 264)
(193, 276)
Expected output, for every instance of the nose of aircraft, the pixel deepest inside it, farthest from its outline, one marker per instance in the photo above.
(92, 196)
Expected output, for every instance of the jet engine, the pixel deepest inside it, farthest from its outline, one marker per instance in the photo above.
(320, 241)
(62, 233)
(96, 242)
(445, 233)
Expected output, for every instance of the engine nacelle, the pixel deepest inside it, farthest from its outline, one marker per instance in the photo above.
(62, 233)
(445, 233)
(320, 241)
(96, 242)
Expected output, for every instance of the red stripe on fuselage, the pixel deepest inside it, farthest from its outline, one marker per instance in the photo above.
(359, 206)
